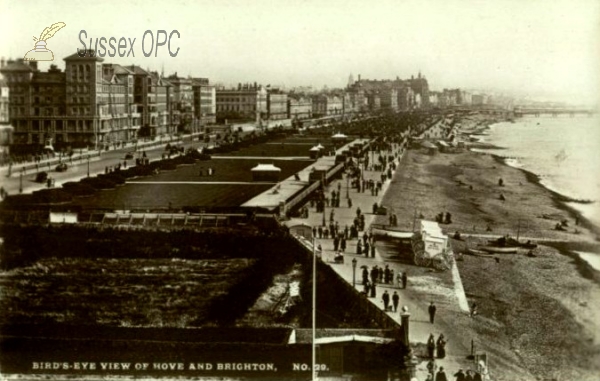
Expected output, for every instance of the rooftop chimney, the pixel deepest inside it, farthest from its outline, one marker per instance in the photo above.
(2, 62)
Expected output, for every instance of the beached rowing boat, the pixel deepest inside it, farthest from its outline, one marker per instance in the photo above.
(478, 253)
(512, 243)
(499, 250)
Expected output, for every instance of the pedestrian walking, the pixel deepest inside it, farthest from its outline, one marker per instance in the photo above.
(374, 274)
(431, 367)
(399, 280)
(441, 346)
(366, 249)
(373, 250)
(460, 376)
(386, 300)
(441, 375)
(349, 203)
(431, 346)
(373, 291)
(469, 375)
(395, 301)
(343, 244)
(432, 308)
(404, 279)
(473, 309)
(365, 275)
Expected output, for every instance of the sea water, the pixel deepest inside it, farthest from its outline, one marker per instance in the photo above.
(563, 151)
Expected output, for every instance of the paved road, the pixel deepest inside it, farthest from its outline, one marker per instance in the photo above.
(79, 167)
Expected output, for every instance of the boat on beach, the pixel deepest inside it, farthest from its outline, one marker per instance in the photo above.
(479, 253)
(510, 242)
(498, 250)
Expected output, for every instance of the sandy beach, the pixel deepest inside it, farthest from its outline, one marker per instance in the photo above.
(538, 315)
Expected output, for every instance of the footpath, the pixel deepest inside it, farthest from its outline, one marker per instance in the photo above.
(420, 327)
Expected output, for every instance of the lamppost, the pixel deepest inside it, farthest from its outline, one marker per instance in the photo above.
(354, 272)
(21, 181)
(347, 184)
(314, 312)
(88, 165)
(324, 196)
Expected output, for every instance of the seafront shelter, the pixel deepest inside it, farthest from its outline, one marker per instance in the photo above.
(265, 173)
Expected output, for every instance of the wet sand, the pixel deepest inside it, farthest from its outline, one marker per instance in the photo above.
(539, 316)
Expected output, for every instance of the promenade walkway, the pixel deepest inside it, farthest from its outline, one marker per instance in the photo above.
(420, 327)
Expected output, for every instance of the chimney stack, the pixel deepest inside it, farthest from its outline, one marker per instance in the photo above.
(2, 62)
(359, 77)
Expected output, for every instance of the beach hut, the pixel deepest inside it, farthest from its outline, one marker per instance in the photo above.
(266, 173)
(432, 149)
(443, 146)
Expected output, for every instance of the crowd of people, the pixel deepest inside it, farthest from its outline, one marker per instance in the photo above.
(436, 373)
(381, 158)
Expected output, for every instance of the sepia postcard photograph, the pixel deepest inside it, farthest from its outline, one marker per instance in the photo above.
(343, 190)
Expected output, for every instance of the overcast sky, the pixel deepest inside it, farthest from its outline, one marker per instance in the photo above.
(535, 47)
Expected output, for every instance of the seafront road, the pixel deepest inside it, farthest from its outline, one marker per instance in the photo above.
(78, 167)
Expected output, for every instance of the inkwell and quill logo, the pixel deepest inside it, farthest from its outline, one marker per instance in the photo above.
(40, 52)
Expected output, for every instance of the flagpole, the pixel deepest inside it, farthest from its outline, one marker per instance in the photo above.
(314, 313)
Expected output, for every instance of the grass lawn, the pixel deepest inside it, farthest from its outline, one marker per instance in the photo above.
(157, 196)
(226, 170)
(279, 148)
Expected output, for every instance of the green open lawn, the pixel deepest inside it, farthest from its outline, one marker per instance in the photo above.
(158, 196)
(226, 170)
